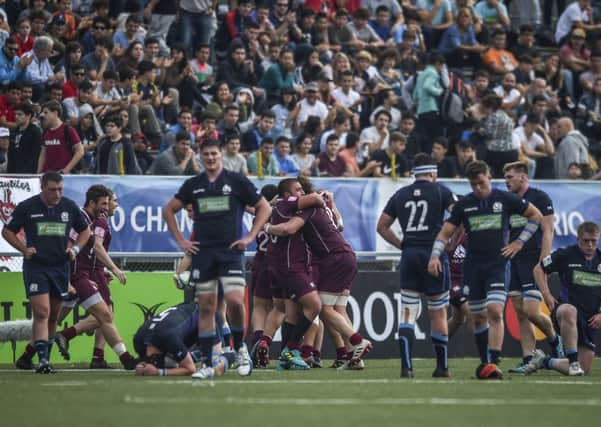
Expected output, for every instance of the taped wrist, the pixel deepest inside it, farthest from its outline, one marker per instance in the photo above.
(528, 231)
(437, 248)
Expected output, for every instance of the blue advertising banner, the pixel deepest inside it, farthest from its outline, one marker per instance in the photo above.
(139, 226)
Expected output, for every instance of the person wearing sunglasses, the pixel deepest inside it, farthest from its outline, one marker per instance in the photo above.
(11, 66)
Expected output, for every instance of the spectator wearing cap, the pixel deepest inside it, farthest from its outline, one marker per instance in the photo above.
(309, 106)
(12, 67)
(176, 160)
(143, 157)
(25, 142)
(99, 61)
(279, 76)
(4, 145)
(269, 164)
(39, 71)
(63, 7)
(122, 39)
(576, 15)
(115, 153)
(8, 102)
(377, 136)
(56, 31)
(574, 54)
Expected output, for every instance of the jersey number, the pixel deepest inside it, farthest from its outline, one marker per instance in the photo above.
(163, 314)
(414, 206)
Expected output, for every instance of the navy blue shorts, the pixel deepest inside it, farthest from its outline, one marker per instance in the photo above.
(522, 278)
(586, 334)
(480, 276)
(414, 272)
(162, 338)
(43, 279)
(210, 264)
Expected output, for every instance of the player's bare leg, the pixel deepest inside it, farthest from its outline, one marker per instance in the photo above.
(527, 339)
(458, 318)
(306, 348)
(532, 309)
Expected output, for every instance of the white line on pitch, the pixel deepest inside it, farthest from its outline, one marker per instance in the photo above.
(141, 400)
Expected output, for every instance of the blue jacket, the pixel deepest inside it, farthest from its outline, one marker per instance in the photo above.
(9, 70)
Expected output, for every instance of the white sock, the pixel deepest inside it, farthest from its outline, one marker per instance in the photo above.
(119, 348)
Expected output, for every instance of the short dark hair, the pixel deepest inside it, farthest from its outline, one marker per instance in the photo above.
(26, 108)
(481, 73)
(492, 101)
(588, 227)
(269, 191)
(519, 167)
(110, 75)
(340, 119)
(385, 112)
(230, 107)
(282, 139)
(442, 141)
(105, 42)
(182, 135)
(532, 118)
(475, 168)
(423, 159)
(268, 113)
(331, 137)
(54, 106)
(266, 140)
(85, 86)
(538, 98)
(51, 176)
(150, 40)
(116, 119)
(285, 185)
(96, 192)
(210, 142)
(13, 85)
(464, 145)
(361, 13)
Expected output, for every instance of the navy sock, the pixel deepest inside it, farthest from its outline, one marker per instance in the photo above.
(238, 335)
(41, 348)
(205, 344)
(441, 344)
(572, 355)
(287, 328)
(526, 359)
(495, 356)
(482, 343)
(406, 338)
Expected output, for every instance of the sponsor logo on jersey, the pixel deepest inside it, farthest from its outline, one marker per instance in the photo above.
(36, 216)
(547, 261)
(517, 221)
(65, 216)
(198, 190)
(213, 204)
(574, 265)
(485, 222)
(51, 229)
(417, 192)
(497, 207)
(585, 278)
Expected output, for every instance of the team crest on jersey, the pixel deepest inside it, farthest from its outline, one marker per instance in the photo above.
(65, 216)
(547, 261)
(33, 287)
(226, 189)
(466, 290)
(196, 274)
(497, 207)
(417, 192)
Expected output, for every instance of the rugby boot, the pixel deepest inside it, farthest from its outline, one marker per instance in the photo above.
(441, 373)
(291, 359)
(537, 362)
(244, 365)
(204, 373)
(522, 368)
(99, 364)
(575, 370)
(361, 349)
(338, 363)
(407, 373)
(45, 368)
(24, 363)
(262, 354)
(558, 351)
(63, 345)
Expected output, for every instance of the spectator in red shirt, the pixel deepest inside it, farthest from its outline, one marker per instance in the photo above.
(8, 102)
(329, 162)
(23, 36)
(61, 146)
(78, 75)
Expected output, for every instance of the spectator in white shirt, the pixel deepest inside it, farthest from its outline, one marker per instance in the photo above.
(347, 100)
(512, 97)
(533, 142)
(378, 135)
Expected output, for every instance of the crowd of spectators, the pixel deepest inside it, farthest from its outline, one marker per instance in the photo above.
(351, 88)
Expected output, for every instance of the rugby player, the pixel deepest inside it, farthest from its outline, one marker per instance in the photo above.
(577, 314)
(460, 312)
(88, 291)
(219, 198)
(261, 285)
(485, 215)
(170, 335)
(288, 260)
(102, 240)
(46, 220)
(335, 260)
(419, 209)
(522, 290)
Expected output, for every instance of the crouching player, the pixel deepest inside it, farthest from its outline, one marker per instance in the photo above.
(577, 315)
(169, 336)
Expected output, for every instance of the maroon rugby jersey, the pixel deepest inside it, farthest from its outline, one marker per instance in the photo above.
(288, 252)
(85, 259)
(101, 228)
(321, 232)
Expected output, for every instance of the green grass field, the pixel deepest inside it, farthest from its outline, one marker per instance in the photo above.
(320, 397)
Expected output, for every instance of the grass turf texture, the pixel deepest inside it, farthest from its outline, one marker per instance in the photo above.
(373, 397)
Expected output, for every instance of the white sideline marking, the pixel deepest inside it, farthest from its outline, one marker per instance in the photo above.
(141, 400)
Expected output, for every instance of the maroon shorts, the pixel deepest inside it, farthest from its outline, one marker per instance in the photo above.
(336, 272)
(293, 284)
(261, 280)
(103, 286)
(84, 286)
